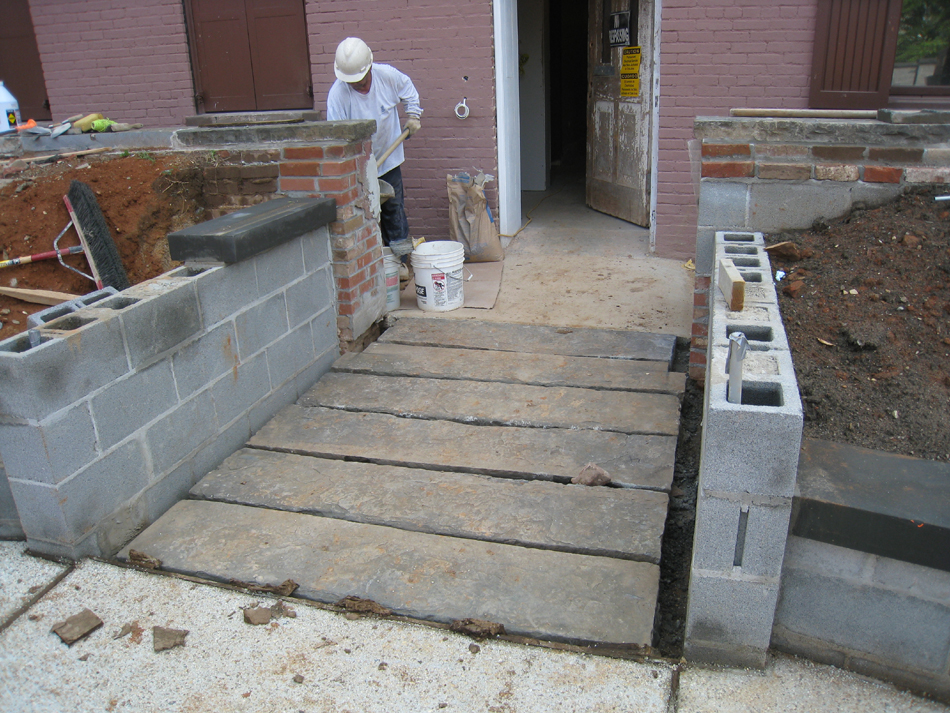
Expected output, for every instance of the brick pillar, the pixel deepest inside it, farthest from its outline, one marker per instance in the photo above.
(338, 170)
(700, 332)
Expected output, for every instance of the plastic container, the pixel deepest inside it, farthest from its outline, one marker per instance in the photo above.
(391, 271)
(10, 108)
(438, 270)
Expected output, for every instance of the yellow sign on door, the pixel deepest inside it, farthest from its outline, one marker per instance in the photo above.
(630, 73)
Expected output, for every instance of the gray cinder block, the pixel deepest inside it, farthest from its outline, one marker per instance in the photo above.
(53, 449)
(291, 353)
(225, 291)
(773, 207)
(10, 527)
(261, 324)
(244, 387)
(278, 267)
(172, 440)
(167, 317)
(316, 249)
(309, 296)
(731, 615)
(128, 404)
(38, 319)
(66, 367)
(723, 204)
(205, 359)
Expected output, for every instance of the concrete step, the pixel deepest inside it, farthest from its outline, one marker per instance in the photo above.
(611, 522)
(487, 403)
(558, 454)
(512, 368)
(531, 339)
(532, 592)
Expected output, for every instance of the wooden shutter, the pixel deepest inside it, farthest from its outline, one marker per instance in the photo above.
(855, 44)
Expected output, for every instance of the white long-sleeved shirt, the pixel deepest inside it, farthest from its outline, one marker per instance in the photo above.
(388, 88)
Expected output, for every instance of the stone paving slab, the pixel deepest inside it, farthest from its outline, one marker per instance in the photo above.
(513, 368)
(489, 403)
(531, 339)
(611, 522)
(634, 461)
(538, 593)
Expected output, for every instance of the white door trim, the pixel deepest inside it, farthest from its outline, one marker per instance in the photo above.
(655, 121)
(508, 115)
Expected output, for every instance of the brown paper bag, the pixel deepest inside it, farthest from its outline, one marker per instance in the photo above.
(470, 219)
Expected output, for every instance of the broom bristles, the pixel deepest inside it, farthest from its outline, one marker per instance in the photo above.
(99, 239)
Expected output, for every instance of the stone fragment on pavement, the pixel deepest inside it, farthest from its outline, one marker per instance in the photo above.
(163, 639)
(592, 474)
(257, 616)
(77, 626)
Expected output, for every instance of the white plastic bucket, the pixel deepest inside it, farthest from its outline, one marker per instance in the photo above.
(10, 108)
(438, 270)
(391, 271)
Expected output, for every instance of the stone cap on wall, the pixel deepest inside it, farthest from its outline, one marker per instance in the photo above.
(819, 131)
(247, 232)
(312, 131)
(880, 503)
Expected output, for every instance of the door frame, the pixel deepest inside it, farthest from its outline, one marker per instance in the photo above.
(509, 116)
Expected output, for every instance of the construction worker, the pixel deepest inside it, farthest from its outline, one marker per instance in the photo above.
(367, 90)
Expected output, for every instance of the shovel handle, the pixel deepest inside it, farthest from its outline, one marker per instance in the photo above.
(402, 137)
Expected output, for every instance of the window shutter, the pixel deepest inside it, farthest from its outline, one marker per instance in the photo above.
(855, 44)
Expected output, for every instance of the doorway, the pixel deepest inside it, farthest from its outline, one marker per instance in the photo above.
(579, 123)
(20, 68)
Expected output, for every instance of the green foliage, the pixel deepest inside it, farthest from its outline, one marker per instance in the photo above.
(924, 31)
(145, 156)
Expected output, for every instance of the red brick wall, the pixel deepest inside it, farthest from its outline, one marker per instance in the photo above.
(438, 44)
(126, 60)
(717, 55)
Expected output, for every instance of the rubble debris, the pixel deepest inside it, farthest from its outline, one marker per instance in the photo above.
(143, 560)
(298, 678)
(592, 474)
(284, 589)
(358, 605)
(257, 616)
(77, 626)
(164, 639)
(474, 648)
(786, 250)
(281, 609)
(477, 628)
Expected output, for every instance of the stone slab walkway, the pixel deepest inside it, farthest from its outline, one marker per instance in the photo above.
(432, 474)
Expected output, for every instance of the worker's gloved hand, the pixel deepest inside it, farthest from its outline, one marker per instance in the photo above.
(413, 125)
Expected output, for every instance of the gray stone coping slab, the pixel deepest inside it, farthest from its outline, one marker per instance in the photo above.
(489, 403)
(512, 368)
(249, 231)
(531, 339)
(245, 118)
(610, 522)
(538, 593)
(306, 132)
(880, 503)
(634, 461)
(865, 132)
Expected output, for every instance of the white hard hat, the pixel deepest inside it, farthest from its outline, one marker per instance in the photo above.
(353, 60)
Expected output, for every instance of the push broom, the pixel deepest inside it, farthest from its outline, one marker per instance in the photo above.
(97, 244)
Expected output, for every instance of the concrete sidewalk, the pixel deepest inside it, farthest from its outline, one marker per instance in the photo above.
(317, 660)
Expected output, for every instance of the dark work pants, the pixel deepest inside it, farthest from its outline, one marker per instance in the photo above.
(392, 214)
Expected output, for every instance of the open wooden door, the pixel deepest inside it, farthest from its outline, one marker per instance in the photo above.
(619, 125)
(249, 55)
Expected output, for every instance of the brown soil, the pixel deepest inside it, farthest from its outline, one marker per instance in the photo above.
(142, 196)
(867, 313)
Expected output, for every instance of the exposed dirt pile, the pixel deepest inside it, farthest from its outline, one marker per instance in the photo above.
(867, 312)
(143, 197)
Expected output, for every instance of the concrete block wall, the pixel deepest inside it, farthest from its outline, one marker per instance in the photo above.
(748, 467)
(875, 615)
(773, 175)
(124, 405)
